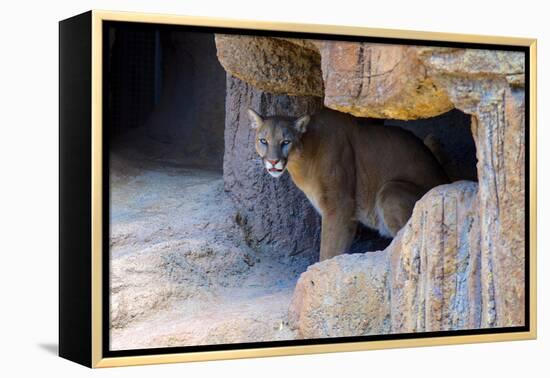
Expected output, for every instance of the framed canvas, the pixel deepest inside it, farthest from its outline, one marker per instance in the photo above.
(235, 189)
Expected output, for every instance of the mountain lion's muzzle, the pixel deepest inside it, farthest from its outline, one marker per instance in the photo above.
(275, 167)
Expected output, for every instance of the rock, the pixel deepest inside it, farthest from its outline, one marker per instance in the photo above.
(180, 270)
(272, 64)
(481, 87)
(436, 263)
(234, 316)
(173, 237)
(149, 280)
(397, 82)
(153, 276)
(310, 44)
(428, 279)
(272, 212)
(348, 295)
(473, 62)
(380, 81)
(432, 277)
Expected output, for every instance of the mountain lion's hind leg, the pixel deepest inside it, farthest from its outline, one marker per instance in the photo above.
(394, 205)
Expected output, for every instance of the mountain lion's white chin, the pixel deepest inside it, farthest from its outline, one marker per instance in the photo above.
(275, 172)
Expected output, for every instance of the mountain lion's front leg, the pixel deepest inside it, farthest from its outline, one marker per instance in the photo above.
(338, 228)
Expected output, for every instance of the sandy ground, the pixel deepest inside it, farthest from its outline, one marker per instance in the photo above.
(180, 271)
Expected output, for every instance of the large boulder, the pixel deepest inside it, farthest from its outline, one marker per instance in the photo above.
(380, 81)
(436, 263)
(348, 295)
(273, 65)
(428, 279)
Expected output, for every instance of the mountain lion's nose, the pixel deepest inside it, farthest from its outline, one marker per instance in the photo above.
(273, 162)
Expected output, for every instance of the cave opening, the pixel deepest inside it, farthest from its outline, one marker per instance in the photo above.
(457, 152)
(166, 96)
(452, 131)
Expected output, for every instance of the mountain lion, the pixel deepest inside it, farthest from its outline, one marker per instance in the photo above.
(369, 173)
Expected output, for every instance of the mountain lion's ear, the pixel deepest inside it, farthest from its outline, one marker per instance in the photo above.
(256, 121)
(301, 123)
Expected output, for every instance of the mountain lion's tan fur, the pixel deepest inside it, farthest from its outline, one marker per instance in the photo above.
(351, 173)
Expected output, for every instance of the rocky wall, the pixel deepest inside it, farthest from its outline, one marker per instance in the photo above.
(459, 263)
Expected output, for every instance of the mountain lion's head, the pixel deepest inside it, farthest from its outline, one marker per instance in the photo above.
(276, 138)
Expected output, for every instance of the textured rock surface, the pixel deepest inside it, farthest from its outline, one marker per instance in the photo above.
(273, 212)
(481, 86)
(348, 295)
(428, 279)
(474, 63)
(272, 64)
(380, 81)
(164, 249)
(436, 263)
(181, 272)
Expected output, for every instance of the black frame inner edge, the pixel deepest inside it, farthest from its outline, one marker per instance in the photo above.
(106, 352)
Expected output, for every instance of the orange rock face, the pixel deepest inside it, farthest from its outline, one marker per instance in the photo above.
(379, 81)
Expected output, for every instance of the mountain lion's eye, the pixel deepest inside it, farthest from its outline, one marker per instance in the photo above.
(263, 141)
(285, 142)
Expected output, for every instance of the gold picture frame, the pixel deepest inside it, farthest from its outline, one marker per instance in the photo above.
(89, 267)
